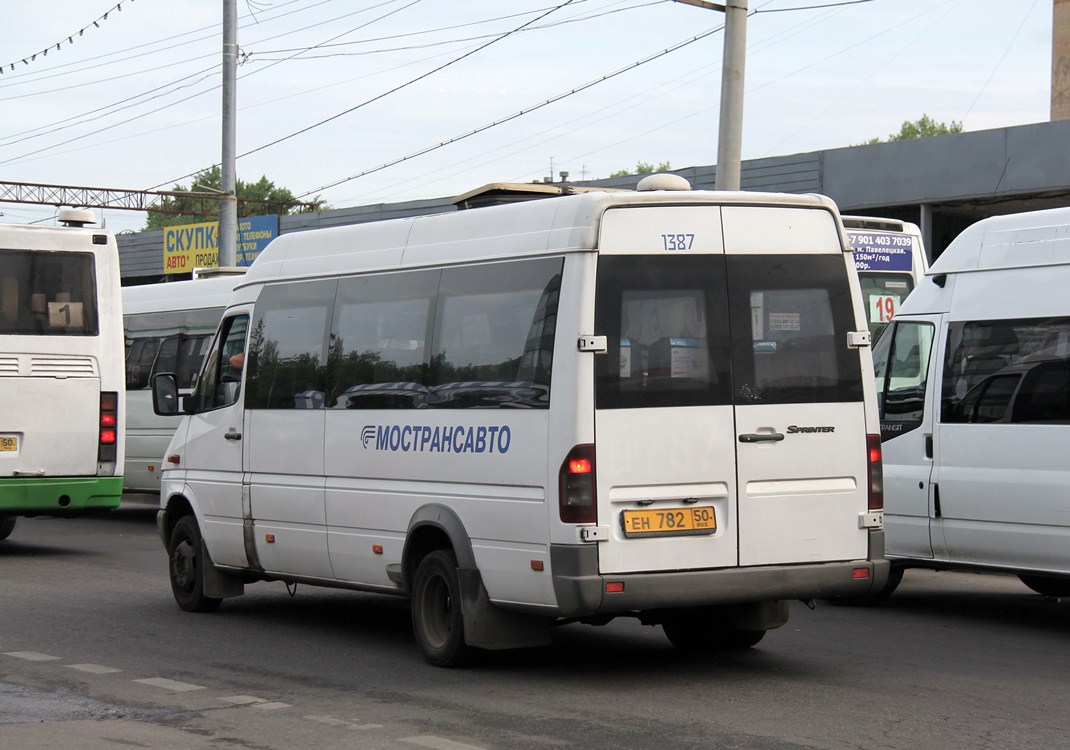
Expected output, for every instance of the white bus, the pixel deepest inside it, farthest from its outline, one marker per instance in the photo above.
(168, 327)
(974, 384)
(655, 404)
(61, 370)
(890, 257)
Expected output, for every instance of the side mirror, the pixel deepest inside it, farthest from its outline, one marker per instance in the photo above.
(165, 394)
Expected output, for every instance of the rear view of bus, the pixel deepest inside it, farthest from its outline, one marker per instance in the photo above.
(61, 369)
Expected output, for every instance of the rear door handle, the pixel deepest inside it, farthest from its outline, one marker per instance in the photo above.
(761, 437)
(232, 435)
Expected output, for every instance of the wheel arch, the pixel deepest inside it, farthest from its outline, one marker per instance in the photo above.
(434, 527)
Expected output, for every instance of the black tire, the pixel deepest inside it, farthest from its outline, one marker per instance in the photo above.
(437, 621)
(1047, 585)
(7, 525)
(185, 567)
(708, 631)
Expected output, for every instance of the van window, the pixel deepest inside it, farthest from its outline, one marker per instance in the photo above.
(790, 317)
(493, 342)
(379, 341)
(883, 293)
(288, 346)
(1008, 371)
(667, 329)
(901, 364)
(47, 294)
(220, 381)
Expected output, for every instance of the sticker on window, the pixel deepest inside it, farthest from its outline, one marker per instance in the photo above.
(783, 321)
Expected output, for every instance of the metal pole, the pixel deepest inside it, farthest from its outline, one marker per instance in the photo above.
(228, 202)
(730, 133)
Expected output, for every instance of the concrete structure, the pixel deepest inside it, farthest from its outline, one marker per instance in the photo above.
(943, 184)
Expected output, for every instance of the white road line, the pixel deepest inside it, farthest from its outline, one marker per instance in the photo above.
(440, 743)
(333, 722)
(243, 700)
(94, 668)
(31, 656)
(173, 685)
(271, 706)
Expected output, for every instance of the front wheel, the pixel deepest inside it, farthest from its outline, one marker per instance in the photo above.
(186, 563)
(708, 631)
(437, 621)
(1047, 585)
(7, 525)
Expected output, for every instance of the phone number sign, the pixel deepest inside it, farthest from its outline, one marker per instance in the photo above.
(874, 251)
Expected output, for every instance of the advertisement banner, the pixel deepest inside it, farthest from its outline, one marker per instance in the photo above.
(190, 246)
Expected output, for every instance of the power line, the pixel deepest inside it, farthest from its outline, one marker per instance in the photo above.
(70, 39)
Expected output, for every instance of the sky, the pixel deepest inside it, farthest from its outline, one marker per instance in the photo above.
(359, 102)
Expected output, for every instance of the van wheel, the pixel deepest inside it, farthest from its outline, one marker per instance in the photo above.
(707, 631)
(7, 525)
(437, 621)
(185, 567)
(1047, 585)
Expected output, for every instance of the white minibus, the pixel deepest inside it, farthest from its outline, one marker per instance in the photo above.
(168, 328)
(61, 369)
(890, 257)
(655, 404)
(974, 388)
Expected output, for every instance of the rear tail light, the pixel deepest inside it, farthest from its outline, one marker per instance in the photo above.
(876, 472)
(577, 481)
(108, 426)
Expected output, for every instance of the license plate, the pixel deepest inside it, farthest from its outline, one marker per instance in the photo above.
(669, 521)
(9, 443)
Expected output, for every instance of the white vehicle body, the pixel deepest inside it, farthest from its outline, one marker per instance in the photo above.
(974, 383)
(890, 257)
(61, 442)
(543, 397)
(168, 328)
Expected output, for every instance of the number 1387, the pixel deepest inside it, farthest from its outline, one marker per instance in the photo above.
(677, 241)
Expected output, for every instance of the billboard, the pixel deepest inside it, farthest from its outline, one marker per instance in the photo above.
(190, 246)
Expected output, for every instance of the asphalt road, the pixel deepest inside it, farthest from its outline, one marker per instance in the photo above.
(94, 655)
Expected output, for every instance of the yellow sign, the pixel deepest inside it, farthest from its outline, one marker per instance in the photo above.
(190, 246)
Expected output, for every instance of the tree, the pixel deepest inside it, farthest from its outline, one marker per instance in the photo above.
(922, 128)
(643, 167)
(190, 210)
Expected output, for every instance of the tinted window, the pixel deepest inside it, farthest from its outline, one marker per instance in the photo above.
(379, 354)
(1009, 371)
(172, 342)
(493, 341)
(287, 358)
(790, 318)
(666, 324)
(47, 294)
(219, 384)
(882, 293)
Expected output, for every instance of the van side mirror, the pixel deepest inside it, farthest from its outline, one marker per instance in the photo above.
(165, 394)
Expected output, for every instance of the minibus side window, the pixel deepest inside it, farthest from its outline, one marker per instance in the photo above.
(1007, 371)
(901, 363)
(220, 382)
(287, 359)
(493, 342)
(379, 341)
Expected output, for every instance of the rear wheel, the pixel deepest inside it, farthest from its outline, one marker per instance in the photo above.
(7, 525)
(707, 631)
(1047, 585)
(437, 621)
(186, 563)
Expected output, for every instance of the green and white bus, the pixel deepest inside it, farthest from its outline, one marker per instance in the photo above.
(61, 370)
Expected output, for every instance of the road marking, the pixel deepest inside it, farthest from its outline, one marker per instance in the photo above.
(440, 743)
(94, 668)
(174, 685)
(31, 656)
(271, 706)
(243, 700)
(333, 722)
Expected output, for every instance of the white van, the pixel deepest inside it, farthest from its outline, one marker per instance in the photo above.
(890, 258)
(974, 389)
(656, 404)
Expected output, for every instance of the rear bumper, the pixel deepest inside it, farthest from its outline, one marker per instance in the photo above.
(580, 589)
(59, 496)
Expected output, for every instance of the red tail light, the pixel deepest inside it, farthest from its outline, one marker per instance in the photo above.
(577, 481)
(109, 421)
(876, 472)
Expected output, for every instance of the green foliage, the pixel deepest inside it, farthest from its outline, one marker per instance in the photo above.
(190, 210)
(922, 128)
(643, 167)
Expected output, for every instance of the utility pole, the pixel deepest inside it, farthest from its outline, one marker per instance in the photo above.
(228, 201)
(730, 132)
